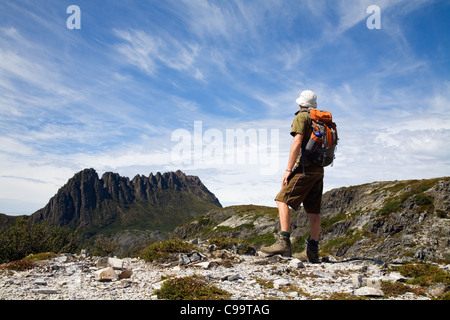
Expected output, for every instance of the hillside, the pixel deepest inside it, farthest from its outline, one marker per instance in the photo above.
(7, 221)
(398, 220)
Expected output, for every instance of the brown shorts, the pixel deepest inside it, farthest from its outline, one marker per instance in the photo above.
(306, 189)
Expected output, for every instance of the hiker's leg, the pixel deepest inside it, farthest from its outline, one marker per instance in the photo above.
(312, 205)
(283, 244)
(314, 224)
(285, 216)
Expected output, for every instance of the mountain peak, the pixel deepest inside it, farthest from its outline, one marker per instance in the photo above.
(143, 202)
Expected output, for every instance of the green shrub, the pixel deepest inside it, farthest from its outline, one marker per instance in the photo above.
(424, 274)
(397, 288)
(162, 250)
(19, 265)
(104, 247)
(26, 238)
(423, 200)
(190, 288)
(326, 223)
(41, 256)
(441, 214)
(390, 207)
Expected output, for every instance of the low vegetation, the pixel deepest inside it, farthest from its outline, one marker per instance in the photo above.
(190, 288)
(230, 244)
(424, 274)
(162, 250)
(26, 238)
(18, 265)
(407, 189)
(394, 289)
(420, 276)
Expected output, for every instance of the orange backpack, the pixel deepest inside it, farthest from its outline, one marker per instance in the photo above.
(322, 144)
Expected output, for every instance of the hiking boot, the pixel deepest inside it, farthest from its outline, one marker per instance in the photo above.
(281, 246)
(302, 256)
(311, 253)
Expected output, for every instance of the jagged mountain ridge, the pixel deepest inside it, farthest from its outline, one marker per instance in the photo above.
(156, 202)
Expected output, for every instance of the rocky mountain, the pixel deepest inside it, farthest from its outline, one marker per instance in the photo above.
(397, 220)
(113, 203)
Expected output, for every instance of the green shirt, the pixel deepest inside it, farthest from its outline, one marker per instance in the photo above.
(302, 125)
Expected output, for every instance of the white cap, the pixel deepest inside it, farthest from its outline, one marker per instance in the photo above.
(307, 99)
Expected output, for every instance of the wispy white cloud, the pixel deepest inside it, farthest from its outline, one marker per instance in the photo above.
(147, 52)
(10, 145)
(208, 19)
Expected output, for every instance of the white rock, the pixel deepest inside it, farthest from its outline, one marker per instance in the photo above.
(280, 283)
(373, 282)
(176, 268)
(158, 285)
(296, 263)
(368, 291)
(61, 259)
(204, 265)
(40, 282)
(357, 280)
(106, 274)
(393, 277)
(115, 263)
(234, 277)
(438, 290)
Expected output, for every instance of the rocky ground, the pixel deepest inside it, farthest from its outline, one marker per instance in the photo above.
(245, 277)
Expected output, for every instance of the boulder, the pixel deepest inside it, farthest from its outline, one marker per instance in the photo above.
(125, 274)
(438, 290)
(116, 263)
(191, 257)
(106, 274)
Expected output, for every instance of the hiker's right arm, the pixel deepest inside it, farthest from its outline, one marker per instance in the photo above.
(295, 150)
(293, 155)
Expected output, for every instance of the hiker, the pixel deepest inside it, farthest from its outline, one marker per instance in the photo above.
(302, 183)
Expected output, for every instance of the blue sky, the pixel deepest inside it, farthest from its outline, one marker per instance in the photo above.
(141, 81)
